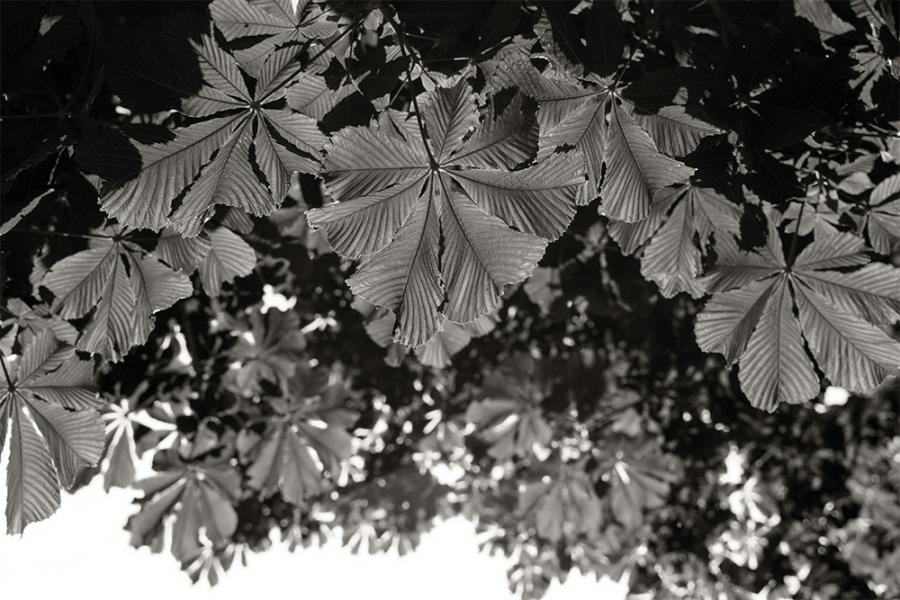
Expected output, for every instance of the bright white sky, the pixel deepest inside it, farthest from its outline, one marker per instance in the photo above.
(83, 549)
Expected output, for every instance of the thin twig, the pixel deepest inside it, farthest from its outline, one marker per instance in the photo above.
(52, 115)
(88, 236)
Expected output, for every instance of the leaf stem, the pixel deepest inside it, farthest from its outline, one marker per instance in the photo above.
(9, 382)
(621, 73)
(401, 39)
(792, 253)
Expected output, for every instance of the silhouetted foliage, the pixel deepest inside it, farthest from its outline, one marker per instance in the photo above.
(579, 271)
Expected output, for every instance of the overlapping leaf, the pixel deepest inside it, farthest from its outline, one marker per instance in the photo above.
(215, 161)
(122, 419)
(307, 429)
(122, 285)
(278, 22)
(437, 238)
(622, 159)
(513, 425)
(670, 257)
(639, 480)
(563, 506)
(883, 217)
(437, 352)
(47, 397)
(765, 308)
(269, 350)
(220, 256)
(32, 320)
(821, 15)
(440, 349)
(198, 493)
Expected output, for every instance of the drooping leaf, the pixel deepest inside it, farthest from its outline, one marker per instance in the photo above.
(639, 479)
(439, 351)
(181, 253)
(592, 36)
(617, 151)
(229, 257)
(509, 416)
(821, 15)
(199, 494)
(121, 450)
(839, 316)
(32, 320)
(671, 257)
(268, 350)
(122, 420)
(775, 364)
(563, 506)
(280, 21)
(123, 285)
(219, 254)
(675, 132)
(883, 216)
(635, 169)
(47, 395)
(210, 162)
(306, 429)
(394, 206)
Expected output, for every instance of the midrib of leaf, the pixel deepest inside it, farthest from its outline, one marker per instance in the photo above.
(285, 133)
(463, 229)
(615, 112)
(49, 424)
(812, 300)
(697, 125)
(143, 167)
(315, 98)
(295, 447)
(457, 157)
(163, 84)
(601, 105)
(461, 174)
(217, 69)
(776, 299)
(228, 149)
(209, 510)
(391, 168)
(419, 245)
(111, 249)
(808, 274)
(324, 49)
(15, 475)
(111, 288)
(144, 292)
(287, 18)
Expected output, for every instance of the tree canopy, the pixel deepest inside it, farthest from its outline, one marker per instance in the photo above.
(618, 280)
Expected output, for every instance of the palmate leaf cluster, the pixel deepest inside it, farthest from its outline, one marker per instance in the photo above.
(349, 268)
